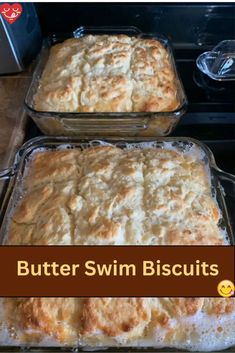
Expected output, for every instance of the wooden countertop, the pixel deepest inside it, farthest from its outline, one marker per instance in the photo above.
(12, 117)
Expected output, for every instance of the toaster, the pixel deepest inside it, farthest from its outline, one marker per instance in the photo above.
(19, 41)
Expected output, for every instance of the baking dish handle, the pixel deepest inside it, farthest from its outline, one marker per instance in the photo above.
(224, 175)
(7, 173)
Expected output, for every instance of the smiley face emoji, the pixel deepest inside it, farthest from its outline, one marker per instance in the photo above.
(225, 288)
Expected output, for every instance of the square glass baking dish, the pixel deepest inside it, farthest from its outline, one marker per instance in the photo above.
(104, 124)
(15, 175)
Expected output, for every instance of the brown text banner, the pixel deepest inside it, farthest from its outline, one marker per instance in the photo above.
(119, 271)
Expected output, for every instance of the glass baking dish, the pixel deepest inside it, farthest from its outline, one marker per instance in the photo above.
(219, 63)
(16, 177)
(104, 124)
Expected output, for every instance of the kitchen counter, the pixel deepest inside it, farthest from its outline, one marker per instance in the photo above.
(12, 117)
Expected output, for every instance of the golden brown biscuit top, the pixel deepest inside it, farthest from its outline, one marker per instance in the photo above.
(101, 73)
(123, 321)
(107, 195)
(115, 316)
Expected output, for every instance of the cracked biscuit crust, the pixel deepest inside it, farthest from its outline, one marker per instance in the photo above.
(108, 74)
(115, 316)
(37, 317)
(107, 195)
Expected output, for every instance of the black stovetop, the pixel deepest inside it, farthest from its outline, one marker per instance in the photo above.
(211, 104)
(204, 94)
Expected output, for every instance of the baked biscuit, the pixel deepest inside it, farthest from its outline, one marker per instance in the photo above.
(106, 94)
(57, 317)
(101, 73)
(219, 306)
(181, 307)
(115, 316)
(113, 196)
(106, 195)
